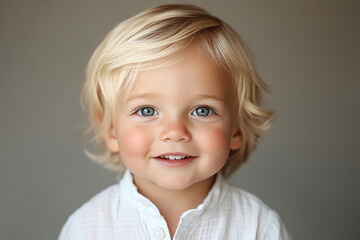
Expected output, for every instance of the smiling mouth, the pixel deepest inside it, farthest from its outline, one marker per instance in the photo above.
(171, 157)
(175, 159)
(175, 156)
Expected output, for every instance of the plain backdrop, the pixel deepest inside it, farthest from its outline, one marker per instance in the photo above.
(306, 166)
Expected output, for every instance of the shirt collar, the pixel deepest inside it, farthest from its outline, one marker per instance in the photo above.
(212, 201)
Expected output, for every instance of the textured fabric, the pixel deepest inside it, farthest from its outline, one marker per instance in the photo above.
(120, 212)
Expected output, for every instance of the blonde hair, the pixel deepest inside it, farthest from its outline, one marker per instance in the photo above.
(160, 33)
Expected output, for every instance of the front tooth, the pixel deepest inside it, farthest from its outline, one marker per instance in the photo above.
(174, 157)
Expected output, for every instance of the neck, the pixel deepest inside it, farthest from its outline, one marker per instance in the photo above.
(173, 203)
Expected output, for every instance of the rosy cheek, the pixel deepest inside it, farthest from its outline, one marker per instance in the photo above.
(134, 143)
(217, 142)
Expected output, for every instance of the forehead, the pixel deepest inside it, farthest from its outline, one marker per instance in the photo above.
(195, 73)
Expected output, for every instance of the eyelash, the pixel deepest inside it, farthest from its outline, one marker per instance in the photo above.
(142, 107)
(213, 111)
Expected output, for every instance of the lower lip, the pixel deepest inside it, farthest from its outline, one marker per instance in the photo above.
(175, 163)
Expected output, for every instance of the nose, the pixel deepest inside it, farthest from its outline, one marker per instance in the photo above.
(175, 130)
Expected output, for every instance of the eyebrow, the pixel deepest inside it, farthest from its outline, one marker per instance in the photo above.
(144, 95)
(222, 100)
(152, 95)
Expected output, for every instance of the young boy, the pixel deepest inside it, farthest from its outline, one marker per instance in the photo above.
(174, 99)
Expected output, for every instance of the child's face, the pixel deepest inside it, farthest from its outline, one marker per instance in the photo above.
(187, 109)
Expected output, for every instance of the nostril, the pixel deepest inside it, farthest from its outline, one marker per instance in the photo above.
(175, 135)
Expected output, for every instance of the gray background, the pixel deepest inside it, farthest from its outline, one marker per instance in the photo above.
(306, 167)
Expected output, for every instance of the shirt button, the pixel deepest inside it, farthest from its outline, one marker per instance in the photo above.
(159, 233)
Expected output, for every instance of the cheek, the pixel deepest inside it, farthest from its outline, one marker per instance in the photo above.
(134, 144)
(216, 142)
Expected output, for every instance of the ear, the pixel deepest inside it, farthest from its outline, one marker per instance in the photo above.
(236, 140)
(111, 140)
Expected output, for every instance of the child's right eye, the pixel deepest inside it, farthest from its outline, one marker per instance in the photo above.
(146, 112)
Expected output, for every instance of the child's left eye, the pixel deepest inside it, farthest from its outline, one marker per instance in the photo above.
(202, 111)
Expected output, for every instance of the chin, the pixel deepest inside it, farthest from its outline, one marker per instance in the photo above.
(175, 184)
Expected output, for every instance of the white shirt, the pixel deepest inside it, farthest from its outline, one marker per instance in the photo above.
(120, 212)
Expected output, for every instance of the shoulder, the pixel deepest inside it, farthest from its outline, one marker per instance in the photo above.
(97, 213)
(247, 201)
(253, 213)
(234, 197)
(103, 203)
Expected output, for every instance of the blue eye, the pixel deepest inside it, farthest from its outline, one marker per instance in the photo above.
(147, 112)
(202, 111)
